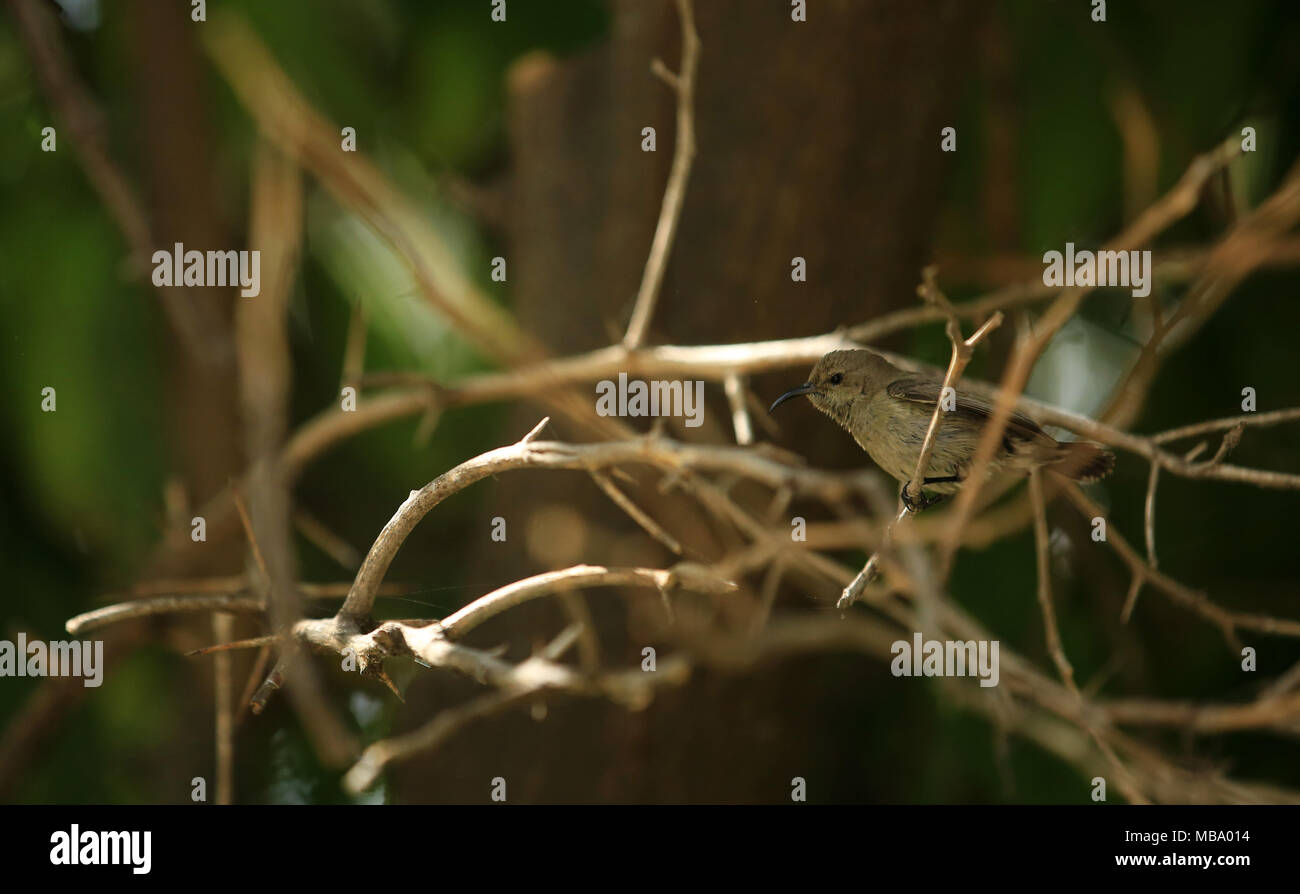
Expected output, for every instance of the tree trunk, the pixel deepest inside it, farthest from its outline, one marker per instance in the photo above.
(818, 140)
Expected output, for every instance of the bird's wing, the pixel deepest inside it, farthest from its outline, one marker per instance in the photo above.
(977, 409)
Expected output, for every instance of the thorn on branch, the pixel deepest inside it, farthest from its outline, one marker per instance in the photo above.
(273, 681)
(665, 74)
(537, 430)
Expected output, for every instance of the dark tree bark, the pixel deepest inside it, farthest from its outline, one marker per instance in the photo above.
(818, 140)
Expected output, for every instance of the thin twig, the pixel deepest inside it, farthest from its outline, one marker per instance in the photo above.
(1053, 635)
(331, 544)
(1043, 554)
(740, 421)
(223, 626)
(354, 350)
(255, 676)
(962, 349)
(78, 115)
(635, 512)
(1227, 621)
(675, 192)
(1149, 515)
(1253, 420)
(111, 614)
(691, 577)
(1174, 205)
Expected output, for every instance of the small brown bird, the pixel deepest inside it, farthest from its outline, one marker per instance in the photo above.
(888, 412)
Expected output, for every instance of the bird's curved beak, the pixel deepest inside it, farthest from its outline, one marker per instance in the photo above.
(805, 388)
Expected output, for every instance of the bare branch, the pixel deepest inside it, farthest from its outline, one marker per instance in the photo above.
(578, 577)
(1173, 205)
(1281, 713)
(675, 191)
(552, 454)
(1227, 621)
(736, 392)
(325, 540)
(1043, 554)
(961, 354)
(111, 614)
(223, 626)
(365, 772)
(1253, 420)
(75, 108)
(1149, 514)
(635, 512)
(962, 349)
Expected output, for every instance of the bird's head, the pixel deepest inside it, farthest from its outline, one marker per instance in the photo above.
(839, 379)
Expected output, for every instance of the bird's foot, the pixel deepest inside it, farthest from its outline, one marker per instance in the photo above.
(921, 503)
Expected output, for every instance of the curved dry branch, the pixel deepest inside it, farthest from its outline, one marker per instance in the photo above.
(662, 452)
(690, 577)
(140, 608)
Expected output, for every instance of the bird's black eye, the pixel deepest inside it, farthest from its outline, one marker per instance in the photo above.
(837, 378)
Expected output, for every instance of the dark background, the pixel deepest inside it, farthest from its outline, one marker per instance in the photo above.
(522, 139)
